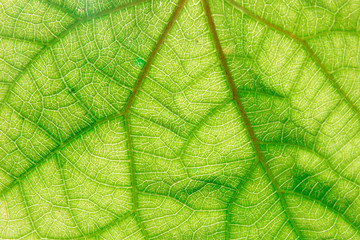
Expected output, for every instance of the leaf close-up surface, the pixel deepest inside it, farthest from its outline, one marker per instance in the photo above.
(179, 119)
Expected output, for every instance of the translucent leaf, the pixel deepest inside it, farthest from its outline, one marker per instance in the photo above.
(179, 119)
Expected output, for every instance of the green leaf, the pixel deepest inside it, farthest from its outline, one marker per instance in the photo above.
(179, 119)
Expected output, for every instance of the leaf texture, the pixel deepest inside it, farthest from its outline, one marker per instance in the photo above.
(179, 119)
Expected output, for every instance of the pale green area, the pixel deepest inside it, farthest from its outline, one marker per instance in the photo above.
(86, 153)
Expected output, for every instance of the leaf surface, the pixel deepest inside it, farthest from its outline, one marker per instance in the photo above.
(184, 119)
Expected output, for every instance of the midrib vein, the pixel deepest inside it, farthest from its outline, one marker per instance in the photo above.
(306, 47)
(243, 114)
(129, 104)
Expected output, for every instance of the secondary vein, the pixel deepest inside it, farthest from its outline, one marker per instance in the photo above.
(129, 104)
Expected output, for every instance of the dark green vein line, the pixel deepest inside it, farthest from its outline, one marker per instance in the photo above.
(12, 38)
(332, 32)
(352, 224)
(61, 8)
(317, 154)
(111, 10)
(58, 148)
(5, 82)
(69, 89)
(10, 65)
(305, 46)
(243, 114)
(128, 106)
(28, 210)
(133, 179)
(68, 202)
(98, 232)
(233, 199)
(61, 35)
(41, 128)
(108, 226)
(195, 130)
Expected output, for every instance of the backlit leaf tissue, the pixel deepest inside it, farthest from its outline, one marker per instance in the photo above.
(179, 119)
